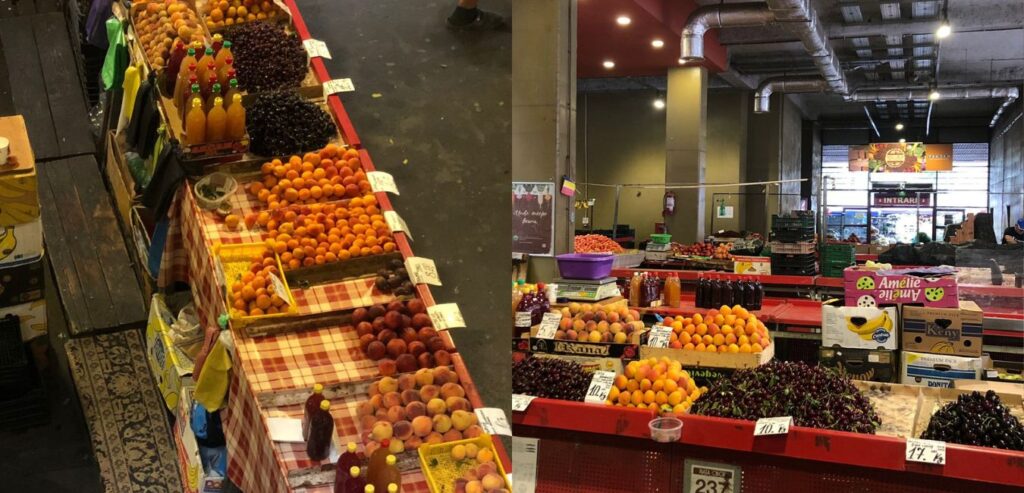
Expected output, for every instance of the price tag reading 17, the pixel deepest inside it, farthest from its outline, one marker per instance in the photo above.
(600, 386)
(926, 451)
(773, 426)
(660, 336)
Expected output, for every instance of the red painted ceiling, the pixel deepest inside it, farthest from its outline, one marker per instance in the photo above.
(600, 38)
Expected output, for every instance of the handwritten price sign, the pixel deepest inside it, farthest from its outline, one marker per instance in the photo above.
(382, 182)
(316, 48)
(446, 316)
(773, 426)
(600, 386)
(336, 86)
(660, 336)
(549, 325)
(396, 223)
(926, 451)
(422, 271)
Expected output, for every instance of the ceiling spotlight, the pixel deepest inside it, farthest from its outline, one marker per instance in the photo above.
(657, 43)
(608, 64)
(934, 95)
(944, 30)
(623, 20)
(659, 104)
(903, 141)
(899, 126)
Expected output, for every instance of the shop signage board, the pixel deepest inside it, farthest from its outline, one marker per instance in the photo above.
(896, 199)
(711, 477)
(533, 217)
(896, 157)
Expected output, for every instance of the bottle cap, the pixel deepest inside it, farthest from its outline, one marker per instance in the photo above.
(219, 101)
(317, 388)
(368, 489)
(195, 87)
(217, 37)
(196, 103)
(352, 447)
(209, 51)
(227, 44)
(191, 52)
(325, 405)
(233, 82)
(236, 98)
(216, 87)
(392, 488)
(391, 460)
(354, 471)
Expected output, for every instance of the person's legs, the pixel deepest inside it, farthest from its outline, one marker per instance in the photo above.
(467, 17)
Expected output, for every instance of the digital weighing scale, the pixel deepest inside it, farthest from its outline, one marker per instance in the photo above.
(587, 290)
(657, 251)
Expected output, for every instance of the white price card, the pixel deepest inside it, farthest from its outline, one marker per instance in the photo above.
(316, 48)
(285, 430)
(279, 288)
(549, 325)
(422, 271)
(524, 457)
(493, 421)
(382, 182)
(926, 451)
(600, 386)
(446, 316)
(523, 320)
(711, 477)
(335, 86)
(396, 223)
(773, 426)
(521, 401)
(659, 336)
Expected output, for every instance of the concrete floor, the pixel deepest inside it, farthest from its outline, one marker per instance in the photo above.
(433, 108)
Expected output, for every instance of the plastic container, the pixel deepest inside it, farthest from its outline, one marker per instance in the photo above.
(585, 265)
(221, 184)
(661, 238)
(441, 471)
(666, 430)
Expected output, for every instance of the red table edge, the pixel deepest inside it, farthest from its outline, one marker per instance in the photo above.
(854, 449)
(423, 291)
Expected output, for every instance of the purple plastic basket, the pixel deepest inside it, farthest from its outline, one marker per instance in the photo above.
(585, 265)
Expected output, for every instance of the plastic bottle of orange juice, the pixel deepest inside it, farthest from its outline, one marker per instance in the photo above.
(223, 54)
(216, 121)
(211, 98)
(195, 123)
(223, 71)
(236, 118)
(185, 80)
(205, 63)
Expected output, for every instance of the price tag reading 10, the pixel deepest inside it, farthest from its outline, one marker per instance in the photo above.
(600, 386)
(773, 426)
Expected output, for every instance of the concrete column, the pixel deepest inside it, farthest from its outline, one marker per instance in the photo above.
(726, 156)
(544, 108)
(686, 149)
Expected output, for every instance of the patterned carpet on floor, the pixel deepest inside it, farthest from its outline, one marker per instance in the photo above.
(127, 419)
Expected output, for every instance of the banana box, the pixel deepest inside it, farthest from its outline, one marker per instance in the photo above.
(171, 368)
(954, 331)
(938, 370)
(32, 317)
(21, 242)
(856, 327)
(21, 282)
(872, 365)
(19, 197)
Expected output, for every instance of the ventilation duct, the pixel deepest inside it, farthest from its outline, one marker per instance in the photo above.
(763, 96)
(1008, 94)
(717, 17)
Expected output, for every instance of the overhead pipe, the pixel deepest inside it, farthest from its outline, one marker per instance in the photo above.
(763, 95)
(716, 17)
(1008, 94)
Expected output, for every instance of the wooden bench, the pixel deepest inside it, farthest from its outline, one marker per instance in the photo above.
(91, 263)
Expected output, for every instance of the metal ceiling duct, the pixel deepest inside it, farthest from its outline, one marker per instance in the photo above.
(1008, 94)
(717, 17)
(763, 96)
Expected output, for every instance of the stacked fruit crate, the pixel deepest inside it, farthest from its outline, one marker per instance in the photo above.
(793, 250)
(835, 257)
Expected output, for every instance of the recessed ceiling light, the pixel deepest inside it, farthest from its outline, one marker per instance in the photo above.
(623, 20)
(899, 126)
(934, 95)
(659, 104)
(608, 64)
(944, 30)
(657, 43)
(903, 141)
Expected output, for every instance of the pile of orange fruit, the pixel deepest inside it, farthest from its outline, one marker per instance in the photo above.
(253, 294)
(160, 25)
(318, 234)
(660, 384)
(328, 175)
(725, 330)
(229, 13)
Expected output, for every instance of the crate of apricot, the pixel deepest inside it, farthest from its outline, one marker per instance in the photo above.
(256, 290)
(728, 337)
(464, 466)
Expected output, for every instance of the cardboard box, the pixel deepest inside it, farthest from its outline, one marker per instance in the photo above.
(189, 463)
(171, 369)
(21, 242)
(32, 317)
(122, 185)
(21, 282)
(862, 364)
(938, 370)
(19, 196)
(691, 358)
(868, 288)
(752, 265)
(842, 326)
(943, 330)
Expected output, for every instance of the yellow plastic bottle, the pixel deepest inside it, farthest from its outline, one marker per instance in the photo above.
(236, 118)
(195, 123)
(216, 121)
(205, 64)
(223, 54)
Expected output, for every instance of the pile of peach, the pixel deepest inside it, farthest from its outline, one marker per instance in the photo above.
(320, 234)
(598, 323)
(725, 330)
(426, 407)
(330, 174)
(658, 384)
(400, 337)
(483, 475)
(253, 294)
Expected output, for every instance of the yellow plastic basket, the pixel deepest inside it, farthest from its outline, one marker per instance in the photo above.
(235, 260)
(441, 470)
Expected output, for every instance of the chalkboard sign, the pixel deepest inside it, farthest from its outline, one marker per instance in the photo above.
(533, 213)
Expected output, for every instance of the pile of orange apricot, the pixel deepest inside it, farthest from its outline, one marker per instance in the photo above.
(253, 292)
(725, 330)
(331, 174)
(659, 384)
